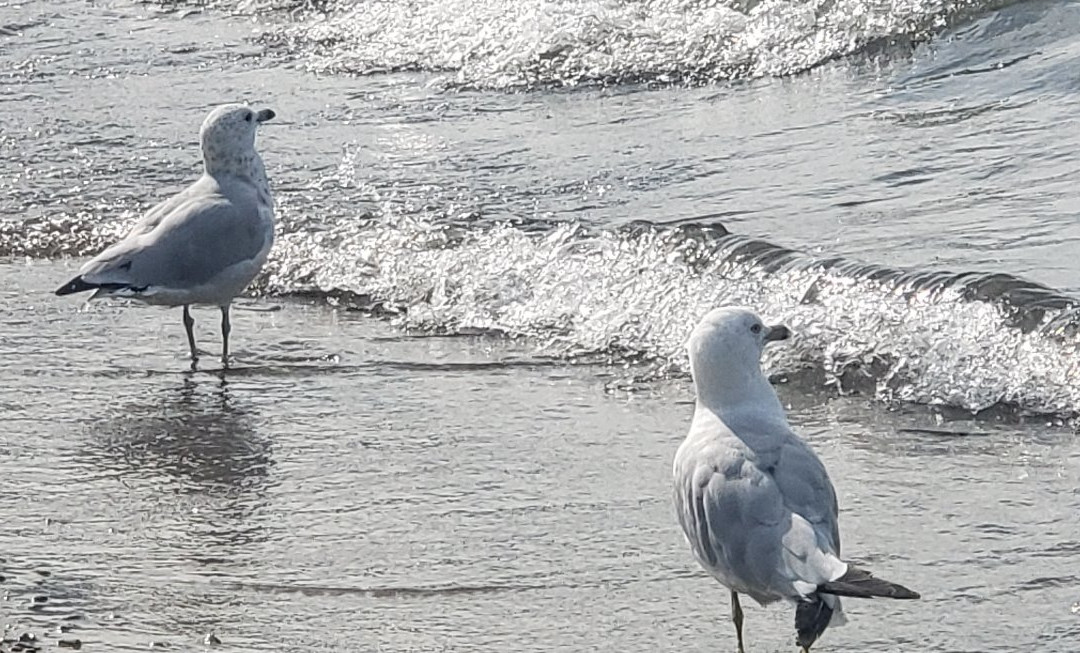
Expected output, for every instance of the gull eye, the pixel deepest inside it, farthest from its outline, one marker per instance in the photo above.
(756, 328)
(248, 116)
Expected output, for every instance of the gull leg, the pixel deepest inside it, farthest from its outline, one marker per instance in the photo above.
(189, 322)
(225, 329)
(736, 616)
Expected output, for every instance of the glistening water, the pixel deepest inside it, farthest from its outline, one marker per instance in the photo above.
(460, 380)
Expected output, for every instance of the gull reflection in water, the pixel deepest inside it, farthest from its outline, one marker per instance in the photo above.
(196, 445)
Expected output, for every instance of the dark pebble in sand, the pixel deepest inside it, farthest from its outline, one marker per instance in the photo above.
(72, 617)
(70, 643)
(44, 572)
(2, 579)
(41, 599)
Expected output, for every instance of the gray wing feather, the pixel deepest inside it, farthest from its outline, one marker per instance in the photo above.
(808, 491)
(183, 242)
(763, 521)
(732, 514)
(152, 218)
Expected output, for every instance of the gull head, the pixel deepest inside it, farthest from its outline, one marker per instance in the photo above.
(725, 352)
(228, 136)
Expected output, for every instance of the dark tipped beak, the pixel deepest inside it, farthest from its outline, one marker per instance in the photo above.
(264, 115)
(777, 332)
(75, 285)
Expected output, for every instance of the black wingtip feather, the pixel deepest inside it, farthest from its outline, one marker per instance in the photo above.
(860, 583)
(812, 617)
(75, 285)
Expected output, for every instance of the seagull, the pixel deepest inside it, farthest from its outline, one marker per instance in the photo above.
(755, 503)
(203, 245)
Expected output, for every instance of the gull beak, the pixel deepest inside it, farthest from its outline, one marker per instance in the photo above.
(777, 332)
(264, 115)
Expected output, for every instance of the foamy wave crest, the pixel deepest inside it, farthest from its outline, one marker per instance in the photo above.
(522, 43)
(630, 296)
(633, 296)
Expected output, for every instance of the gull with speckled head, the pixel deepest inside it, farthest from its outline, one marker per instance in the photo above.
(203, 245)
(754, 501)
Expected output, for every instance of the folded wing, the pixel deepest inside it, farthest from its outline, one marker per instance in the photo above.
(202, 235)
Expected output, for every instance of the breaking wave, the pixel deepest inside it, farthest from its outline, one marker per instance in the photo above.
(508, 44)
(629, 296)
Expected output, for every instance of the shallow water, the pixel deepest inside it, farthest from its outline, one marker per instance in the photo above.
(457, 396)
(349, 487)
(399, 193)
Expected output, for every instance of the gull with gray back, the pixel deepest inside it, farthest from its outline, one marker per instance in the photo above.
(203, 245)
(754, 501)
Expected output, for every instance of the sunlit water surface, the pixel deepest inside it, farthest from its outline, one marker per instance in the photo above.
(457, 396)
